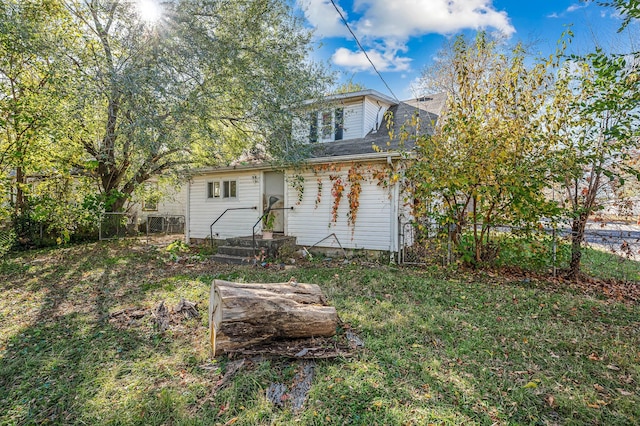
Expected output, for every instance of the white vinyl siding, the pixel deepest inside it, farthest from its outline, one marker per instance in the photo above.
(204, 210)
(373, 114)
(352, 127)
(310, 224)
(172, 203)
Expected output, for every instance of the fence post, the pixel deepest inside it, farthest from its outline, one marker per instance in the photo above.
(554, 250)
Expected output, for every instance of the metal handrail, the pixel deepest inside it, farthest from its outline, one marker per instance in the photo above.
(220, 217)
(253, 231)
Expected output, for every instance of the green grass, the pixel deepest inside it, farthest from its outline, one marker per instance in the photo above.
(441, 349)
(605, 265)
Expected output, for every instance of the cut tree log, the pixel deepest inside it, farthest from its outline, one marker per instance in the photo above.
(246, 314)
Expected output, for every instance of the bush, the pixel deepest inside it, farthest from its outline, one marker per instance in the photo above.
(533, 251)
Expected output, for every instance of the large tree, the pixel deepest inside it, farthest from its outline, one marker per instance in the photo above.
(596, 116)
(487, 162)
(209, 79)
(31, 36)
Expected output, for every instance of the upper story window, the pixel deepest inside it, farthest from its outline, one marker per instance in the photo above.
(222, 189)
(326, 126)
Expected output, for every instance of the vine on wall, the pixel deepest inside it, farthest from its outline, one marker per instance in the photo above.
(383, 175)
(297, 183)
(354, 176)
(337, 188)
(319, 193)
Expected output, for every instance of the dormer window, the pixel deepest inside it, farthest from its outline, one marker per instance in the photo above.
(326, 126)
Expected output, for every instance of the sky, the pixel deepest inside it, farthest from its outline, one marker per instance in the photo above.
(402, 37)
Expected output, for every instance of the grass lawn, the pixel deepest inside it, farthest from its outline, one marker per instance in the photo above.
(439, 348)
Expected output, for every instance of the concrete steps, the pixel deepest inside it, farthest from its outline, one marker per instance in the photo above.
(239, 250)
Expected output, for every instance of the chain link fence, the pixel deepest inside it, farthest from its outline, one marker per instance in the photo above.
(609, 250)
(165, 224)
(7, 240)
(116, 225)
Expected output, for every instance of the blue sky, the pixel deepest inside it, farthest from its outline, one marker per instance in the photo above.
(402, 37)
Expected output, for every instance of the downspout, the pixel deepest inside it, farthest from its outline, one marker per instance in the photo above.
(393, 219)
(187, 219)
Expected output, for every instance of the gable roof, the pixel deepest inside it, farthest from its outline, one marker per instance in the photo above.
(434, 103)
(427, 109)
(370, 93)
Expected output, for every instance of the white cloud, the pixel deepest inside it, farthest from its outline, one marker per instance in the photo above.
(385, 26)
(324, 18)
(407, 18)
(576, 6)
(357, 61)
(572, 8)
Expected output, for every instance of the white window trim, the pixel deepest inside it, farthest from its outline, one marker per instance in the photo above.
(219, 184)
(319, 128)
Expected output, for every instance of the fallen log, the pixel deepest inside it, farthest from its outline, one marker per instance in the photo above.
(246, 314)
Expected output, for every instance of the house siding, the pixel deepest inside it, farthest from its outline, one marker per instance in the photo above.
(352, 128)
(172, 203)
(203, 210)
(311, 223)
(373, 113)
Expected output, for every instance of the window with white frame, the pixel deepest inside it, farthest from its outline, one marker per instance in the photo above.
(326, 126)
(222, 189)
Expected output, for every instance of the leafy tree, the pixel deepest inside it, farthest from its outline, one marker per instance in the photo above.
(31, 105)
(595, 128)
(349, 87)
(210, 79)
(487, 163)
(629, 9)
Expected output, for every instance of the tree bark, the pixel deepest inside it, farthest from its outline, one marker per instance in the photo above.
(246, 314)
(577, 236)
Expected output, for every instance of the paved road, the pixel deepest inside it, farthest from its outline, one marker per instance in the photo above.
(612, 236)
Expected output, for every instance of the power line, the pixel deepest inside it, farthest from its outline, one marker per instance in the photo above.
(363, 51)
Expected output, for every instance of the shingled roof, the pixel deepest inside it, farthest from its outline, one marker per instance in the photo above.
(399, 114)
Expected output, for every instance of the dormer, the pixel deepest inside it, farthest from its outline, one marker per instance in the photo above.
(345, 116)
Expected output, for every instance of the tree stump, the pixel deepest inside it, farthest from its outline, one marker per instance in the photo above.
(247, 314)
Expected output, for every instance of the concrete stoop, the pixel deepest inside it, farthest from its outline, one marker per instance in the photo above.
(240, 251)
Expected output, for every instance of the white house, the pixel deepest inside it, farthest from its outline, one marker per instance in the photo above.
(159, 206)
(347, 193)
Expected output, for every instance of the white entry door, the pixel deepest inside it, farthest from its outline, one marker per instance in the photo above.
(274, 187)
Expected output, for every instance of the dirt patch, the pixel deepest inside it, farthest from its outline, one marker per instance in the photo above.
(162, 316)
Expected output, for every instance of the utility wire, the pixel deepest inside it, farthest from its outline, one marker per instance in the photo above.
(363, 51)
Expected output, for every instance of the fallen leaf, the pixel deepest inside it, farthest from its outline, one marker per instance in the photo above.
(593, 406)
(594, 357)
(613, 367)
(551, 401)
(598, 387)
(624, 392)
(232, 421)
(531, 385)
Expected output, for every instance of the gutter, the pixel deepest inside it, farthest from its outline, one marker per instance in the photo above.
(313, 160)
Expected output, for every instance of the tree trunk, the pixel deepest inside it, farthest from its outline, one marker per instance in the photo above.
(19, 207)
(242, 315)
(577, 236)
